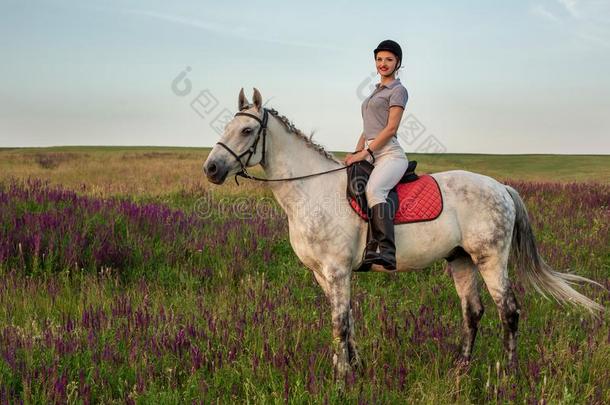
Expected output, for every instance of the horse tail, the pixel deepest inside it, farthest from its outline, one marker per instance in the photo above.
(530, 264)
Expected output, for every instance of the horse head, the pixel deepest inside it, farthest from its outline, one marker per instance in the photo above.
(242, 144)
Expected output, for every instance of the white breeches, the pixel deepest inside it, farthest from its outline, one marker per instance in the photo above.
(390, 164)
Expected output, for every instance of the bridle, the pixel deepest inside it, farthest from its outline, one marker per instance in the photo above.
(262, 130)
(252, 149)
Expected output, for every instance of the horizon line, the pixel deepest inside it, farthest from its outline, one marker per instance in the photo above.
(4, 148)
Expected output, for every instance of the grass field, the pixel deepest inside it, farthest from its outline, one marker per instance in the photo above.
(126, 277)
(136, 171)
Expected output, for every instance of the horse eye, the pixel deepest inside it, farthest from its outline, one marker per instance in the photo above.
(246, 131)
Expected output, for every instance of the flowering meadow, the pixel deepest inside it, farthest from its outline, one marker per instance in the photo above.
(190, 297)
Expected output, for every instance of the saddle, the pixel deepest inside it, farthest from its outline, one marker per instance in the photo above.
(414, 199)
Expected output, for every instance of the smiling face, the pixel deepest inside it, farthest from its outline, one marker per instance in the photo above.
(386, 62)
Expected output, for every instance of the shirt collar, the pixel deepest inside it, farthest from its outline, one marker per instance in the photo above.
(390, 85)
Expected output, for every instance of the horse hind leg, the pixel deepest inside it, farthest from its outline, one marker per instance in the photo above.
(495, 274)
(464, 275)
(510, 320)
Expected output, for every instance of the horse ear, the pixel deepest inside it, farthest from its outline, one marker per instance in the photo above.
(258, 99)
(242, 100)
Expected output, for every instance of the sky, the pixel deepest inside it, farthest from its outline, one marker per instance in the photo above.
(482, 76)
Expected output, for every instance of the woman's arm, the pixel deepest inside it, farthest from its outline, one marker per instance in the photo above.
(360, 144)
(384, 136)
(381, 139)
(360, 153)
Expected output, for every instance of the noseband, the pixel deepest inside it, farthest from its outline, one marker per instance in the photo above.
(252, 149)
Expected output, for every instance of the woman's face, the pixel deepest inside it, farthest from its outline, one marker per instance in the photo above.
(386, 62)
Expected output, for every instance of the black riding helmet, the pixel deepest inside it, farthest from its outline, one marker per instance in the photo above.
(391, 46)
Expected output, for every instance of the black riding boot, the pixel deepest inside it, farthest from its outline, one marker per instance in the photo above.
(382, 227)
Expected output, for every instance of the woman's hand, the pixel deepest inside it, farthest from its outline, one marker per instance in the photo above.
(355, 157)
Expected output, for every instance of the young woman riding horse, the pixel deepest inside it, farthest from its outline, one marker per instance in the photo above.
(482, 224)
(381, 115)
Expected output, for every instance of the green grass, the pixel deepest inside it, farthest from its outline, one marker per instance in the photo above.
(262, 326)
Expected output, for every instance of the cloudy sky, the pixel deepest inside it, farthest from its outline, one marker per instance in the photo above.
(483, 76)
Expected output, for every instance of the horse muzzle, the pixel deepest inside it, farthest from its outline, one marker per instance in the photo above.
(216, 172)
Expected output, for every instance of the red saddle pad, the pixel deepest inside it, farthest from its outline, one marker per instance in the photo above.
(419, 200)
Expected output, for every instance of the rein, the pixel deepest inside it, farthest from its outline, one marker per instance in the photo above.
(252, 150)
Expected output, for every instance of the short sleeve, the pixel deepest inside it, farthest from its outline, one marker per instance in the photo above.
(399, 97)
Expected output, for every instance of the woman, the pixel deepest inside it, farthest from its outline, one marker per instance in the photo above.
(381, 114)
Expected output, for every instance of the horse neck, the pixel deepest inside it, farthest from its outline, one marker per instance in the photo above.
(288, 155)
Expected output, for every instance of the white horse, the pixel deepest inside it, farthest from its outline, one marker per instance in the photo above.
(482, 221)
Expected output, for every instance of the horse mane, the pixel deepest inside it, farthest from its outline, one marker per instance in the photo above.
(307, 139)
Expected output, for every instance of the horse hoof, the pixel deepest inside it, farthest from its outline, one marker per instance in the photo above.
(462, 364)
(512, 366)
(357, 363)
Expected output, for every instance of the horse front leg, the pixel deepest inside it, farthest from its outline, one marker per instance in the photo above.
(340, 313)
(354, 358)
(336, 284)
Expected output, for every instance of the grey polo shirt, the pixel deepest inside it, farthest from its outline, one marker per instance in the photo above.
(376, 107)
